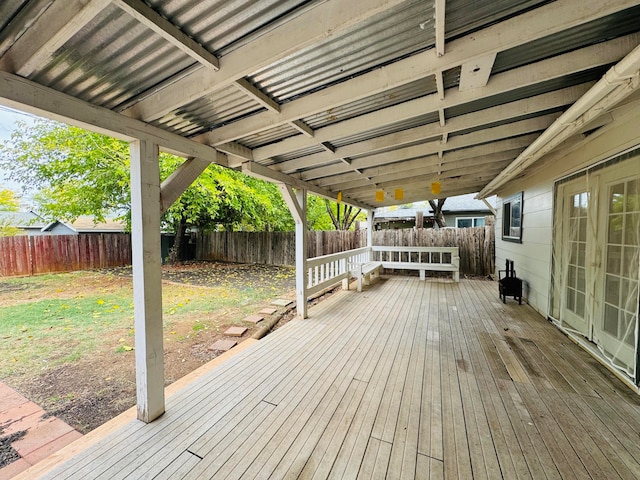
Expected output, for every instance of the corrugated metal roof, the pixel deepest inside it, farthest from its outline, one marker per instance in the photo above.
(266, 137)
(609, 27)
(222, 25)
(10, 11)
(298, 153)
(211, 111)
(383, 39)
(389, 98)
(387, 129)
(111, 59)
(525, 92)
(506, 122)
(466, 16)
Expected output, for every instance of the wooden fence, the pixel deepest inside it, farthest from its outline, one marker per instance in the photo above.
(24, 255)
(477, 249)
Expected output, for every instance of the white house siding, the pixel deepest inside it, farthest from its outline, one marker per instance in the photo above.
(533, 256)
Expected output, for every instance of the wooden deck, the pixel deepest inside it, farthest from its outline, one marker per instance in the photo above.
(408, 379)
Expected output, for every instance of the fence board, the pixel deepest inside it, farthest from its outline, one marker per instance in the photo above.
(23, 255)
(278, 248)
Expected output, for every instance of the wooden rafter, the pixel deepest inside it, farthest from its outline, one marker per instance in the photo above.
(546, 70)
(544, 21)
(171, 33)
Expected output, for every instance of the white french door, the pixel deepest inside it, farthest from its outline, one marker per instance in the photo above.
(616, 325)
(577, 199)
(598, 260)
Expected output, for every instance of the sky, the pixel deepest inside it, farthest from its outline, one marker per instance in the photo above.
(8, 118)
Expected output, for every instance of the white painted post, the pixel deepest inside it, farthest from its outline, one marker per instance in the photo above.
(297, 204)
(147, 276)
(370, 232)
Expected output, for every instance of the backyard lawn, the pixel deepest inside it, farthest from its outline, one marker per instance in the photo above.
(67, 340)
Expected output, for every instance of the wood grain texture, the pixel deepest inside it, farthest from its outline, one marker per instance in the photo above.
(409, 379)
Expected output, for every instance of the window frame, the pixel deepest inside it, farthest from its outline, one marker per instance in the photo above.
(507, 217)
(473, 221)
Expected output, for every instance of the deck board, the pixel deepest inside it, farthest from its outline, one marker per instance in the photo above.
(408, 379)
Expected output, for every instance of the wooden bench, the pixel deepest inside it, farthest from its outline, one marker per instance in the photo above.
(365, 272)
(423, 259)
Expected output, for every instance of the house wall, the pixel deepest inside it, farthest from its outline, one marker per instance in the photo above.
(61, 229)
(532, 257)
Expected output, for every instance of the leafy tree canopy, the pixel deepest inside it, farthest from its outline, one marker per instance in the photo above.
(8, 200)
(77, 172)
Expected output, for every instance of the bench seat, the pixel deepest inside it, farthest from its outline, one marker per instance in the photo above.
(423, 267)
(364, 272)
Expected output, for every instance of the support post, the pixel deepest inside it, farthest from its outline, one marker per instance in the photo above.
(297, 203)
(147, 275)
(370, 231)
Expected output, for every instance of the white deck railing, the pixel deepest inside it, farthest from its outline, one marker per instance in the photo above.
(327, 270)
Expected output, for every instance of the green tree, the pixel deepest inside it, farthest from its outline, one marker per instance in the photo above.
(77, 172)
(8, 201)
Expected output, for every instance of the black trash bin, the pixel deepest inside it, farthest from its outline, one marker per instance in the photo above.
(509, 284)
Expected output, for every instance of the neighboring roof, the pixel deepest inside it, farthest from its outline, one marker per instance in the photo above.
(335, 96)
(23, 220)
(86, 224)
(466, 203)
(461, 203)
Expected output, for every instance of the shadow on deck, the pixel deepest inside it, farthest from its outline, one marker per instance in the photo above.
(408, 379)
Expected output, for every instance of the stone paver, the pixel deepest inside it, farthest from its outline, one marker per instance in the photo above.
(14, 469)
(9, 398)
(253, 318)
(268, 311)
(43, 452)
(44, 435)
(236, 331)
(46, 431)
(223, 345)
(282, 302)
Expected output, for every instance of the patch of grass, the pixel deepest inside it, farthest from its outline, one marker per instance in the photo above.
(53, 319)
(198, 326)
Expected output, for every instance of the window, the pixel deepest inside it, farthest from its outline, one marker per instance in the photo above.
(466, 222)
(512, 218)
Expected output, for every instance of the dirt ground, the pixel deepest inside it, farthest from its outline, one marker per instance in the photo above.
(97, 387)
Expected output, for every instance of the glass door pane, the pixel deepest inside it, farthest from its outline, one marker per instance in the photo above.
(574, 291)
(617, 331)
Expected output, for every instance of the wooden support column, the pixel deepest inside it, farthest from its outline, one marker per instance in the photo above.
(370, 228)
(147, 274)
(297, 203)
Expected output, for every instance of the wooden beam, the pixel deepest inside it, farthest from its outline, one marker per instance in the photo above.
(302, 127)
(545, 70)
(489, 206)
(22, 94)
(52, 29)
(297, 203)
(477, 119)
(236, 149)
(180, 180)
(318, 23)
(260, 171)
(147, 279)
(258, 95)
(473, 176)
(167, 30)
(440, 7)
(425, 133)
(535, 24)
(432, 166)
